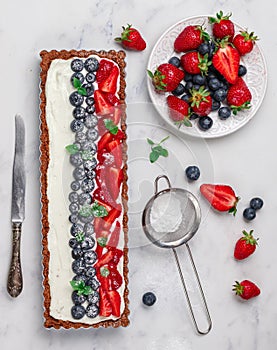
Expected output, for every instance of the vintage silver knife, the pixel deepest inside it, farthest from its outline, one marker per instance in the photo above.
(15, 280)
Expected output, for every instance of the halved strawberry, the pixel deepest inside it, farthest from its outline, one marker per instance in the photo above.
(117, 113)
(114, 237)
(105, 305)
(111, 98)
(102, 105)
(112, 256)
(104, 70)
(110, 83)
(115, 148)
(115, 278)
(111, 217)
(113, 180)
(104, 140)
(115, 302)
(102, 194)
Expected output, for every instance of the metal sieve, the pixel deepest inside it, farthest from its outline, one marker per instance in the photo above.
(180, 234)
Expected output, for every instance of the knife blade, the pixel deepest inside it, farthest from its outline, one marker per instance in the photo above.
(15, 280)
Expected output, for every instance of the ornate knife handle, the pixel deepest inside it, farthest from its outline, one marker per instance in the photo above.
(15, 281)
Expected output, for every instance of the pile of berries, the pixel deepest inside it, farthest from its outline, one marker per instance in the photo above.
(206, 74)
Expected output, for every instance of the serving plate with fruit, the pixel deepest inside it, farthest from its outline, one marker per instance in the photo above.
(229, 83)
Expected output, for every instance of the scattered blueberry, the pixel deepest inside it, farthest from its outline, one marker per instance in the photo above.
(78, 76)
(76, 99)
(192, 172)
(175, 61)
(90, 78)
(220, 94)
(92, 311)
(256, 203)
(186, 97)
(93, 298)
(77, 65)
(196, 86)
(199, 79)
(180, 89)
(242, 70)
(79, 112)
(78, 299)
(215, 105)
(205, 123)
(212, 48)
(91, 64)
(224, 112)
(189, 85)
(78, 311)
(214, 84)
(204, 48)
(249, 213)
(188, 77)
(76, 125)
(193, 116)
(149, 299)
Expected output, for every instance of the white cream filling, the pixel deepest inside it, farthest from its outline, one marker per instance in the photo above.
(59, 178)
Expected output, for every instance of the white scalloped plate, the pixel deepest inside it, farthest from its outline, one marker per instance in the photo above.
(256, 79)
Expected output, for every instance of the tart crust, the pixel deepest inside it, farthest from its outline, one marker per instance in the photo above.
(46, 59)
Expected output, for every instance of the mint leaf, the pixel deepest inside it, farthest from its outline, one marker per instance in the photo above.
(86, 155)
(87, 290)
(82, 91)
(72, 149)
(77, 285)
(157, 149)
(80, 237)
(153, 156)
(86, 211)
(109, 124)
(150, 142)
(104, 271)
(164, 152)
(163, 140)
(76, 83)
(102, 241)
(98, 210)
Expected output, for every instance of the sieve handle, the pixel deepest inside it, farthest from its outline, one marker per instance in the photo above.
(157, 182)
(187, 295)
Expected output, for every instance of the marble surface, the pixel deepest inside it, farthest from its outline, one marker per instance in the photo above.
(246, 160)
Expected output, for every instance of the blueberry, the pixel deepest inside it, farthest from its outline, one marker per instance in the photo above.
(192, 172)
(75, 185)
(90, 164)
(85, 219)
(73, 197)
(76, 159)
(79, 174)
(73, 243)
(249, 214)
(256, 203)
(186, 97)
(220, 94)
(90, 109)
(93, 283)
(175, 61)
(90, 272)
(199, 79)
(91, 64)
(80, 137)
(73, 207)
(90, 101)
(189, 85)
(224, 112)
(214, 84)
(77, 65)
(89, 89)
(89, 146)
(90, 174)
(215, 105)
(149, 299)
(79, 112)
(205, 123)
(88, 243)
(77, 253)
(76, 125)
(91, 121)
(73, 218)
(78, 312)
(80, 277)
(93, 298)
(76, 229)
(87, 185)
(92, 311)
(193, 116)
(88, 229)
(90, 78)
(180, 89)
(78, 299)
(196, 86)
(85, 198)
(78, 266)
(242, 70)
(188, 77)
(92, 134)
(204, 48)
(76, 99)
(90, 257)
(78, 76)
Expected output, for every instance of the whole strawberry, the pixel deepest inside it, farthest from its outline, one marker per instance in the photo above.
(222, 26)
(244, 42)
(221, 197)
(246, 289)
(190, 38)
(178, 110)
(131, 39)
(239, 96)
(245, 246)
(166, 77)
(194, 63)
(201, 101)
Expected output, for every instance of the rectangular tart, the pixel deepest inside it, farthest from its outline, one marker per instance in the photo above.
(84, 189)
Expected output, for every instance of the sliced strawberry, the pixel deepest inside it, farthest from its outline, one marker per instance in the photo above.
(117, 254)
(110, 218)
(104, 70)
(103, 195)
(105, 282)
(106, 205)
(114, 238)
(98, 224)
(111, 98)
(115, 302)
(99, 248)
(101, 126)
(115, 278)
(102, 106)
(117, 113)
(104, 140)
(105, 305)
(115, 148)
(110, 83)
(113, 180)
(113, 255)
